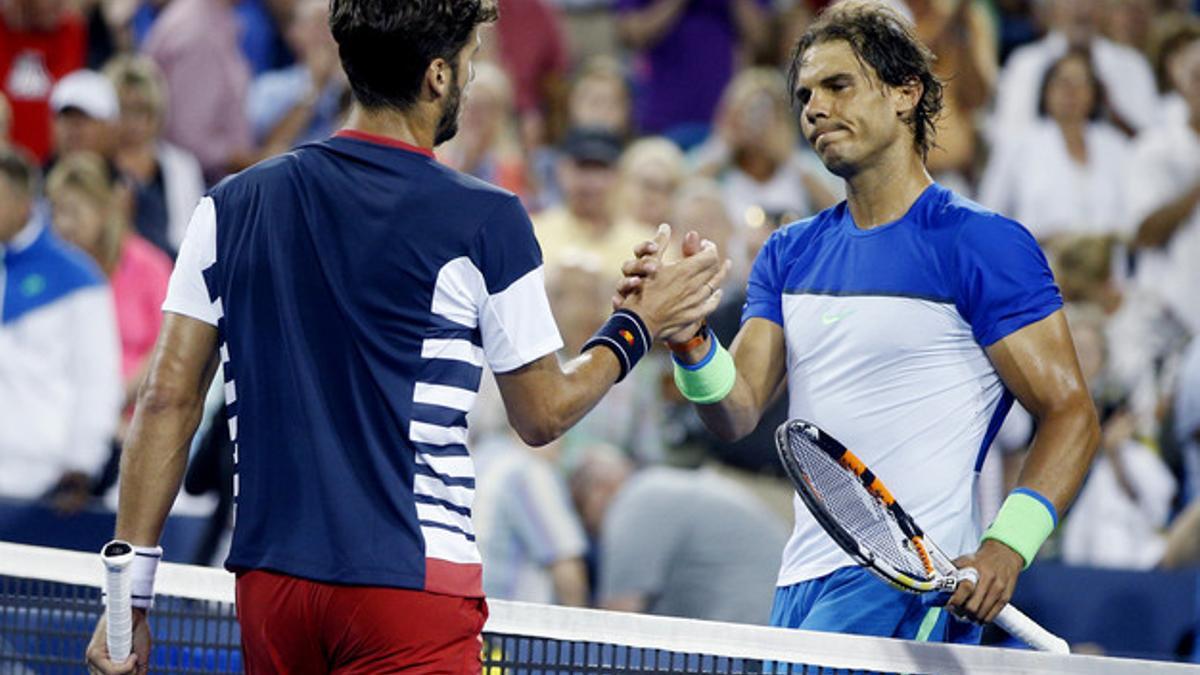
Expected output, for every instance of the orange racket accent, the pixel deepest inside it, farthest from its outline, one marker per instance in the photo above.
(853, 463)
(925, 559)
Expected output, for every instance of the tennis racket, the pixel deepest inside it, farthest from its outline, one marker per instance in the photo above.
(867, 522)
(118, 596)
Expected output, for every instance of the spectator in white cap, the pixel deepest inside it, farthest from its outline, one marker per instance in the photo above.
(85, 109)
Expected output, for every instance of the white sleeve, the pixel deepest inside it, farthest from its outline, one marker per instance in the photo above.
(95, 376)
(187, 293)
(517, 325)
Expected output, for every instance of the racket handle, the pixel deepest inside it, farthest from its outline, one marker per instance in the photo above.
(1028, 631)
(118, 579)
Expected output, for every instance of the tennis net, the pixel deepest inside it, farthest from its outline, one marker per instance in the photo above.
(50, 599)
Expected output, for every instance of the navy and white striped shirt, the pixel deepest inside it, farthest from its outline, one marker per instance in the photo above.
(359, 287)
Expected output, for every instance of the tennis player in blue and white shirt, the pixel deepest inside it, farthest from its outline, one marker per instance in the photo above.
(904, 320)
(352, 291)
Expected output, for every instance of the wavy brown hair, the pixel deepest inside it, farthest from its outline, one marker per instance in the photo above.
(887, 42)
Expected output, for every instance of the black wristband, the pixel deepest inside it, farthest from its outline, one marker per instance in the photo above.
(625, 334)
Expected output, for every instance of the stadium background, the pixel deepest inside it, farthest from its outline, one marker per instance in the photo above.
(605, 123)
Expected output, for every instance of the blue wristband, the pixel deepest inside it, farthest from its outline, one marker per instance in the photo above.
(624, 334)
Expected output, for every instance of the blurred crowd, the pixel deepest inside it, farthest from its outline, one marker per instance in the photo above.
(1079, 118)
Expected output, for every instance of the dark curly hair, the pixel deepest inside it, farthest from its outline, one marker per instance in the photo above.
(387, 45)
(886, 41)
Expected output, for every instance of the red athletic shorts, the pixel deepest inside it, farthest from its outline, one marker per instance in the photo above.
(296, 626)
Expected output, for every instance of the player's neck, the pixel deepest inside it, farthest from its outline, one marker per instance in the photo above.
(880, 194)
(405, 127)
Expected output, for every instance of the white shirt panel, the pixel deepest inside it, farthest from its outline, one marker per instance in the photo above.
(187, 293)
(904, 385)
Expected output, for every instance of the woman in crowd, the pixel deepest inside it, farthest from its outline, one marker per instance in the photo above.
(166, 180)
(88, 210)
(764, 174)
(651, 170)
(1064, 174)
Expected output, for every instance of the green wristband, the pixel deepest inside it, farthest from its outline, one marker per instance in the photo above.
(1024, 523)
(710, 380)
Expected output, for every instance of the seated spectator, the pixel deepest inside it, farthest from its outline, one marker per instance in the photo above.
(651, 171)
(303, 102)
(533, 52)
(1164, 193)
(764, 174)
(679, 542)
(85, 112)
(684, 54)
(167, 181)
(59, 381)
(1122, 510)
(486, 145)
(1065, 173)
(1075, 24)
(195, 43)
(599, 98)
(587, 226)
(87, 212)
(529, 535)
(40, 42)
(1172, 32)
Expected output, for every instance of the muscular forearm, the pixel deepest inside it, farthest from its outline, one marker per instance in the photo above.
(1158, 228)
(1062, 452)
(153, 462)
(758, 360)
(547, 399)
(643, 29)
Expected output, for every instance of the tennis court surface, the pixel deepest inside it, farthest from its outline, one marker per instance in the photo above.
(49, 601)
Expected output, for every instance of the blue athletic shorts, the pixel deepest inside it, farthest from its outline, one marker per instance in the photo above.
(852, 600)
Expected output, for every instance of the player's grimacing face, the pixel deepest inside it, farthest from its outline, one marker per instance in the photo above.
(846, 113)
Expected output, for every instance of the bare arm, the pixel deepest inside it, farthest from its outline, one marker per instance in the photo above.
(570, 582)
(1158, 227)
(168, 410)
(644, 28)
(1038, 364)
(543, 399)
(634, 602)
(759, 355)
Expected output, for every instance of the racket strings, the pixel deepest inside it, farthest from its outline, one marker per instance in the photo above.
(854, 508)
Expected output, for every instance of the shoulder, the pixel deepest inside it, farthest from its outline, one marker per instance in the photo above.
(972, 226)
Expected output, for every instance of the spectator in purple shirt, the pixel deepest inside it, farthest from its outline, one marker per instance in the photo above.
(685, 54)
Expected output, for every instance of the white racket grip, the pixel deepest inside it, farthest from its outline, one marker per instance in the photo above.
(118, 588)
(1028, 631)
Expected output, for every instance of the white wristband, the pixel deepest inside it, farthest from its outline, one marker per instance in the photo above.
(142, 570)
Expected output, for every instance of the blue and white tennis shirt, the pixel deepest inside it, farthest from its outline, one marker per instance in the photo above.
(358, 287)
(886, 330)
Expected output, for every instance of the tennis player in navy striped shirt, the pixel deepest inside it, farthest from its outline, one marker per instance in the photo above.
(353, 291)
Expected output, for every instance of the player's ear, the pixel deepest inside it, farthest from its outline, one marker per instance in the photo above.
(439, 78)
(906, 97)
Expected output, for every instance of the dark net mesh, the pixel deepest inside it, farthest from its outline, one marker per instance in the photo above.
(45, 627)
